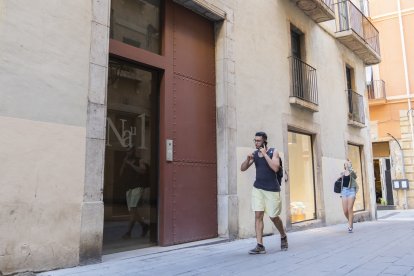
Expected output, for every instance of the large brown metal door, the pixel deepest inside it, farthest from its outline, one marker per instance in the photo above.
(194, 169)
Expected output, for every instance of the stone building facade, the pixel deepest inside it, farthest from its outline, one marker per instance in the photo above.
(186, 84)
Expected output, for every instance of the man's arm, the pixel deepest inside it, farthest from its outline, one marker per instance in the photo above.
(140, 168)
(247, 163)
(272, 162)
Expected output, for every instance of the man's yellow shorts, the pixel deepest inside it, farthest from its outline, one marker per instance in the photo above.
(133, 196)
(266, 201)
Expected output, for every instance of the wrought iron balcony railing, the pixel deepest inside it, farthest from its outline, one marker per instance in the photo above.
(376, 90)
(350, 18)
(304, 85)
(329, 4)
(364, 4)
(356, 107)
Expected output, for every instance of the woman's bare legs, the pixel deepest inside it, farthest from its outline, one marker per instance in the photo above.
(348, 208)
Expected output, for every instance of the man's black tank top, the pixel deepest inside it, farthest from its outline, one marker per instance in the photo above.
(265, 176)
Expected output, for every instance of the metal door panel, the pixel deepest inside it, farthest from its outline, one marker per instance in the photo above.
(193, 46)
(388, 184)
(195, 117)
(195, 198)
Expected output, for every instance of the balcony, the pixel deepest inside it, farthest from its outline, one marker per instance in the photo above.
(304, 89)
(355, 31)
(318, 10)
(356, 114)
(376, 92)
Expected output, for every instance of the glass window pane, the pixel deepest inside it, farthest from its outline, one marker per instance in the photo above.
(130, 179)
(137, 23)
(302, 189)
(354, 154)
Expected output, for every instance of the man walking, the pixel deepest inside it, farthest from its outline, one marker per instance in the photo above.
(266, 190)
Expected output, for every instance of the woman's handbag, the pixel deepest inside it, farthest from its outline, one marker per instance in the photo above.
(338, 185)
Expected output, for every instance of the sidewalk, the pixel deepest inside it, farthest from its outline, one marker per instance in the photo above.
(383, 247)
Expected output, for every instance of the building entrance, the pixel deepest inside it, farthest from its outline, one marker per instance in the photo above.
(131, 159)
(161, 155)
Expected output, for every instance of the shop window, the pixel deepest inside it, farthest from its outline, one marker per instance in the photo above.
(354, 154)
(302, 188)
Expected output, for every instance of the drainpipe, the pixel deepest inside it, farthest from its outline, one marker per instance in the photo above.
(407, 85)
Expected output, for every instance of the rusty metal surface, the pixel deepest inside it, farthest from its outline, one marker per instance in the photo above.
(195, 202)
(193, 46)
(195, 121)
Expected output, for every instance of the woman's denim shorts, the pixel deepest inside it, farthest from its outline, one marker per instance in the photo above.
(348, 192)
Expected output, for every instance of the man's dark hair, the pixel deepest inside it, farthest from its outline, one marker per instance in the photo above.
(262, 134)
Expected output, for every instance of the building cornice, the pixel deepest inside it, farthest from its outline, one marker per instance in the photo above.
(391, 15)
(400, 97)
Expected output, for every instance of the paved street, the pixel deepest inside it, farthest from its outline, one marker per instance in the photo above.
(383, 247)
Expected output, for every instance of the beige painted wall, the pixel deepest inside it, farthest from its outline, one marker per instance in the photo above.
(388, 118)
(331, 168)
(384, 14)
(45, 60)
(44, 69)
(391, 69)
(42, 186)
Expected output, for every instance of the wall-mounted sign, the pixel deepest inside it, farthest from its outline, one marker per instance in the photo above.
(400, 184)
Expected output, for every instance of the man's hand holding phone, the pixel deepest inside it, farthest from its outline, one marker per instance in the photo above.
(263, 149)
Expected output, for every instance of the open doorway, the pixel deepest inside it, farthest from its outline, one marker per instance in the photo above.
(383, 185)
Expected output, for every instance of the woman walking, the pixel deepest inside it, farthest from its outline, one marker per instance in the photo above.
(348, 193)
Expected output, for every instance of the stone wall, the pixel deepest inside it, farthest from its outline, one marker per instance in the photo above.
(408, 149)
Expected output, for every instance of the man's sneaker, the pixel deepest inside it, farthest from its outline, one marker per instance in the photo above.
(259, 249)
(350, 230)
(284, 244)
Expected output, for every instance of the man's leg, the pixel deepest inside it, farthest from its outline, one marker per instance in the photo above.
(132, 219)
(259, 249)
(139, 193)
(274, 205)
(283, 237)
(259, 226)
(140, 219)
(279, 226)
(258, 208)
